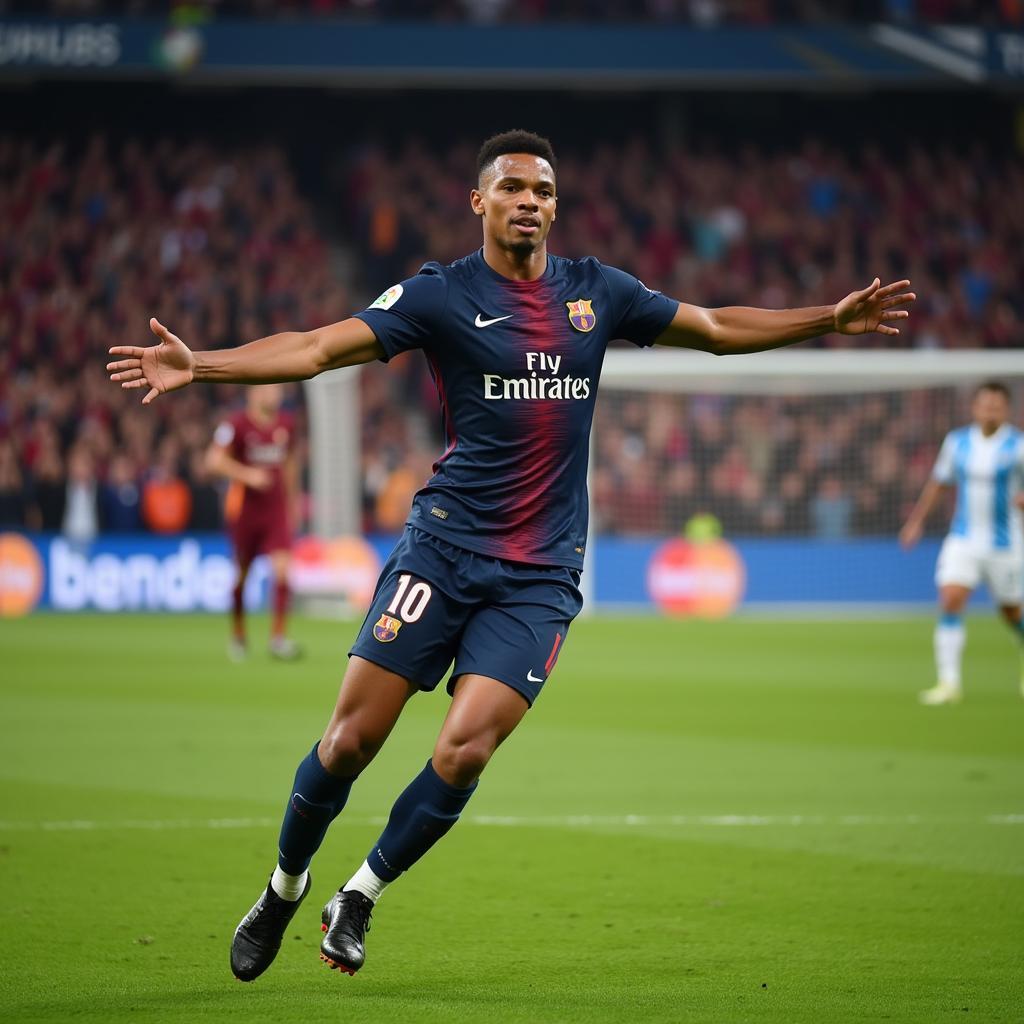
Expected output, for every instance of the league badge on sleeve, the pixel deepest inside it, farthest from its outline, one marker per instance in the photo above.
(581, 315)
(386, 628)
(388, 298)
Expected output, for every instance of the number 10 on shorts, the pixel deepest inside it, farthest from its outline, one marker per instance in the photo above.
(410, 606)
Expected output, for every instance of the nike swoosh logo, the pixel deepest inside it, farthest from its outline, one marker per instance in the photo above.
(532, 678)
(487, 323)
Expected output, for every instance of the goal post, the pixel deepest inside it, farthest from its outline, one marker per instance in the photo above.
(812, 371)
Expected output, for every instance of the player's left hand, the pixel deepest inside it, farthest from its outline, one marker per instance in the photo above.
(869, 310)
(160, 368)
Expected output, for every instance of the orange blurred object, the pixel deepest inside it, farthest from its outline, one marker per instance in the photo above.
(233, 501)
(166, 505)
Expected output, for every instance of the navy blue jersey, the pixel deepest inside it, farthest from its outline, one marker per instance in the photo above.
(516, 365)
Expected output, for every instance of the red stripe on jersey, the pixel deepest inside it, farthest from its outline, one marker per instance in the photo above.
(545, 426)
(553, 656)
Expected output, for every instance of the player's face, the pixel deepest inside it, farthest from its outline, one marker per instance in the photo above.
(990, 410)
(516, 200)
(265, 399)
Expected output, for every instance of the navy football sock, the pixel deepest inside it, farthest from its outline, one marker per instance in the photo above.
(317, 799)
(422, 814)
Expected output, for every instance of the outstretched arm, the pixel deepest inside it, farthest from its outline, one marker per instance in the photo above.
(219, 460)
(914, 526)
(294, 355)
(736, 330)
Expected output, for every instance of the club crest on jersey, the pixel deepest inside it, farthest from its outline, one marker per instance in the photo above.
(581, 315)
(386, 628)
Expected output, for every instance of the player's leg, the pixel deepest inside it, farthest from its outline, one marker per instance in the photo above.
(1014, 618)
(483, 713)
(281, 645)
(506, 653)
(949, 639)
(1004, 575)
(957, 573)
(369, 703)
(406, 642)
(237, 645)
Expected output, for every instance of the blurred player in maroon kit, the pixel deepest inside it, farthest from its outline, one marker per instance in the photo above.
(253, 449)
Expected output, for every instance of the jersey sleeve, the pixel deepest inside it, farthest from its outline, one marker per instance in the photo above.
(229, 436)
(640, 314)
(1018, 464)
(944, 471)
(224, 434)
(408, 314)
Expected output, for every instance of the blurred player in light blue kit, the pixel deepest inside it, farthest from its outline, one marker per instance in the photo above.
(985, 463)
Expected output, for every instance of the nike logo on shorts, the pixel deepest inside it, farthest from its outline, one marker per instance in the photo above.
(532, 678)
(487, 323)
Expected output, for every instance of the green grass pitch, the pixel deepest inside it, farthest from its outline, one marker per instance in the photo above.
(720, 822)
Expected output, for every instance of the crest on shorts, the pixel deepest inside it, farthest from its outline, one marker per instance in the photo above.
(386, 628)
(581, 315)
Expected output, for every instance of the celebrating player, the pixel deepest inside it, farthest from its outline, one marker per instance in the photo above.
(253, 449)
(985, 463)
(486, 574)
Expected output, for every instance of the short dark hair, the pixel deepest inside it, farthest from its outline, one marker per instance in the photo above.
(993, 385)
(516, 141)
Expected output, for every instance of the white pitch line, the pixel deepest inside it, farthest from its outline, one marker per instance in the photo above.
(541, 821)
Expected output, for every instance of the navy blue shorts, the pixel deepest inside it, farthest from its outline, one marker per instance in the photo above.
(436, 604)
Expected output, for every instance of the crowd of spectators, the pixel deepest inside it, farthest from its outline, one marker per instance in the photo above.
(218, 243)
(829, 467)
(704, 13)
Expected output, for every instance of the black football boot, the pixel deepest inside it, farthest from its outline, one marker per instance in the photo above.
(258, 936)
(346, 920)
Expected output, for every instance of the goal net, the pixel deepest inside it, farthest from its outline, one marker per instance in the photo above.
(805, 463)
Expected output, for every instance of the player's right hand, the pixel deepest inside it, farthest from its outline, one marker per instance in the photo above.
(910, 535)
(164, 367)
(259, 479)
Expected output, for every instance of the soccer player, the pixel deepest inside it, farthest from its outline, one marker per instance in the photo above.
(253, 449)
(985, 463)
(487, 572)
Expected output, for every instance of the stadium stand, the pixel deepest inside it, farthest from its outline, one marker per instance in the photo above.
(220, 242)
(703, 13)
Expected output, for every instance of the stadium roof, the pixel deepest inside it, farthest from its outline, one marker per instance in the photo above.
(436, 56)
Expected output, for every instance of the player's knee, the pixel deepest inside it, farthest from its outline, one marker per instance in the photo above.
(344, 751)
(460, 762)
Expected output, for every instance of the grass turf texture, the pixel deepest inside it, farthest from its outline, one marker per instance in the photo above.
(894, 894)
